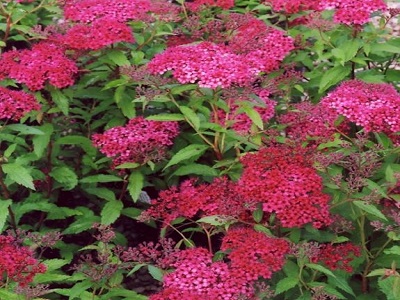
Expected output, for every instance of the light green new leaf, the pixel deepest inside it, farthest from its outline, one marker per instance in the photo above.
(135, 184)
(191, 116)
(65, 176)
(370, 209)
(111, 212)
(19, 174)
(40, 142)
(4, 204)
(186, 153)
(166, 117)
(286, 284)
(332, 77)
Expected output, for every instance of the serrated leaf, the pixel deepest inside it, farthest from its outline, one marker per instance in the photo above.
(186, 153)
(135, 184)
(215, 220)
(65, 176)
(321, 269)
(377, 272)
(60, 100)
(196, 169)
(332, 77)
(373, 186)
(102, 193)
(370, 209)
(50, 277)
(286, 284)
(100, 178)
(253, 115)
(177, 90)
(155, 272)
(118, 57)
(55, 264)
(393, 250)
(18, 174)
(341, 283)
(78, 289)
(111, 212)
(258, 215)
(40, 142)
(25, 129)
(191, 116)
(390, 287)
(166, 117)
(4, 204)
(83, 142)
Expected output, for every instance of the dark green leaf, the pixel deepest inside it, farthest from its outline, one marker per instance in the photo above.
(186, 153)
(18, 174)
(111, 212)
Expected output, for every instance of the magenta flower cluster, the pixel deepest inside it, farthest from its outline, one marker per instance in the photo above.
(45, 62)
(16, 104)
(96, 35)
(17, 262)
(138, 141)
(353, 12)
(374, 106)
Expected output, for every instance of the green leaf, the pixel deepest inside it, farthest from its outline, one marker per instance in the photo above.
(135, 184)
(78, 289)
(215, 220)
(55, 264)
(286, 284)
(177, 90)
(373, 186)
(321, 269)
(116, 293)
(64, 176)
(393, 250)
(51, 277)
(191, 116)
(18, 174)
(196, 169)
(389, 174)
(111, 212)
(253, 115)
(155, 272)
(40, 142)
(4, 204)
(102, 193)
(128, 165)
(83, 142)
(384, 47)
(60, 100)
(25, 129)
(390, 287)
(258, 215)
(377, 272)
(100, 178)
(341, 283)
(186, 153)
(262, 228)
(118, 57)
(370, 209)
(332, 77)
(166, 117)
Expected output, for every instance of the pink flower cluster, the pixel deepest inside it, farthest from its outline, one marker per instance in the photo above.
(283, 180)
(374, 106)
(17, 262)
(353, 12)
(294, 6)
(138, 141)
(100, 33)
(207, 64)
(198, 4)
(309, 122)
(253, 254)
(337, 257)
(120, 10)
(16, 104)
(189, 199)
(44, 62)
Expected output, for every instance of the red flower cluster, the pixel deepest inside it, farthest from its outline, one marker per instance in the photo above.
(197, 277)
(283, 180)
(18, 262)
(138, 141)
(253, 253)
(100, 33)
(189, 199)
(15, 104)
(44, 62)
(198, 4)
(337, 257)
(294, 6)
(119, 10)
(353, 12)
(375, 106)
(208, 64)
(310, 122)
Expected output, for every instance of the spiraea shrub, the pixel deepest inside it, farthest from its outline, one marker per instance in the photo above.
(203, 149)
